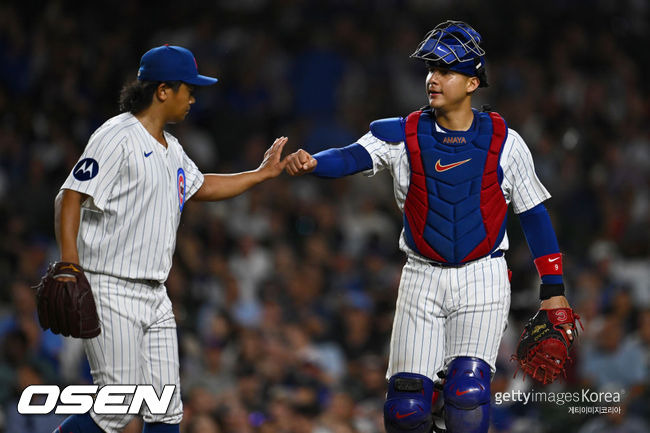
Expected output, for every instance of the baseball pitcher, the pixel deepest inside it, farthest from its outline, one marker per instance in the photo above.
(116, 219)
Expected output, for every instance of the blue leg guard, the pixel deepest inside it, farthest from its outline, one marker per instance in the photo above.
(78, 424)
(467, 396)
(159, 427)
(408, 404)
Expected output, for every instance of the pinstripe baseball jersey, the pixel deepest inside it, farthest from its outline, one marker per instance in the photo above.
(137, 190)
(520, 184)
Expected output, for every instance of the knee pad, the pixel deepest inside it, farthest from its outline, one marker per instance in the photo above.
(467, 395)
(408, 404)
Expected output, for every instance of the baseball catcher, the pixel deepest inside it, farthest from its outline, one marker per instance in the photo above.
(455, 171)
(65, 302)
(543, 348)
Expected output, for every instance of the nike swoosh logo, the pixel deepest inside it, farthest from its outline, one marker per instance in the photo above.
(146, 154)
(400, 416)
(552, 260)
(445, 167)
(458, 392)
(69, 267)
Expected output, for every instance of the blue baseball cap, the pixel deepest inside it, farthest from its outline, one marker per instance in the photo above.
(171, 63)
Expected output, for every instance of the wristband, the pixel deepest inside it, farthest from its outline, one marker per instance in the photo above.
(550, 264)
(549, 290)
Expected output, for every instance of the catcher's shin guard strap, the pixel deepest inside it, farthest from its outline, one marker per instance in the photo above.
(467, 395)
(408, 404)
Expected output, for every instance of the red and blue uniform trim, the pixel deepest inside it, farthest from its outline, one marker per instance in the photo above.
(180, 188)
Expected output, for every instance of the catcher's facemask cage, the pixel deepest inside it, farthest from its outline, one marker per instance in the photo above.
(454, 45)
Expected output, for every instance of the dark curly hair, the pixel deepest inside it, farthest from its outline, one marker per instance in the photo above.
(138, 95)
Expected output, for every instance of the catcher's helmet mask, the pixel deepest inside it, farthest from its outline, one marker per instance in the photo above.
(454, 45)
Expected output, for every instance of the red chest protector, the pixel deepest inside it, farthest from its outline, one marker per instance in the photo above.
(455, 211)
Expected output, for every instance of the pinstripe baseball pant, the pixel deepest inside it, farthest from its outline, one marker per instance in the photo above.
(446, 312)
(138, 344)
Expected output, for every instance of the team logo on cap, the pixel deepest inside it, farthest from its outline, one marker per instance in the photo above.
(180, 186)
(85, 169)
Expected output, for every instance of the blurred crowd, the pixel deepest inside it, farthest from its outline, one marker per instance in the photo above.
(284, 296)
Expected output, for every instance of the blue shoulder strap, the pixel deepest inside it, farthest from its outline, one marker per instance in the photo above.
(390, 130)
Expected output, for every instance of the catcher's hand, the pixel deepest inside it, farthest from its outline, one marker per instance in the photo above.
(300, 162)
(543, 348)
(65, 302)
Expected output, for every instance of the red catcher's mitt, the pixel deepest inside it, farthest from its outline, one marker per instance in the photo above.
(67, 307)
(543, 348)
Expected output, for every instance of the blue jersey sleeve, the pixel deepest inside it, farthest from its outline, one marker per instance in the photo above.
(537, 227)
(339, 162)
